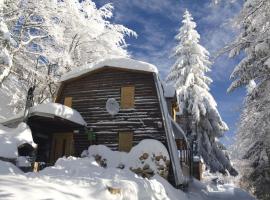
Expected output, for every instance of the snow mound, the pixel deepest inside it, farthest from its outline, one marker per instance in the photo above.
(124, 63)
(12, 138)
(141, 159)
(90, 181)
(211, 191)
(23, 161)
(9, 168)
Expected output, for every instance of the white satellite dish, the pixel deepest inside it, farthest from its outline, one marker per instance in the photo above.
(112, 106)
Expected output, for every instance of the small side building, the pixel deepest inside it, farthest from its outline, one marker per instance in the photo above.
(49, 122)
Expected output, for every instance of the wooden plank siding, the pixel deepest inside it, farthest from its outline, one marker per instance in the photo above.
(90, 94)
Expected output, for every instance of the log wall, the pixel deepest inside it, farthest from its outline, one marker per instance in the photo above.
(90, 94)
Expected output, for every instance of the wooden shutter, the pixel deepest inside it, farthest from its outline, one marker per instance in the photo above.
(125, 141)
(68, 101)
(127, 97)
(175, 110)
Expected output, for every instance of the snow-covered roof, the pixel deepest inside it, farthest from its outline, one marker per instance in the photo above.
(12, 138)
(52, 109)
(58, 110)
(169, 90)
(124, 63)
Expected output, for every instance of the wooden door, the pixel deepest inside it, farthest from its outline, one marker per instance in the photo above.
(125, 141)
(62, 145)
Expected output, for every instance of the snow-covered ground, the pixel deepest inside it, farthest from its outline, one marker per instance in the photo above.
(209, 190)
(101, 174)
(82, 178)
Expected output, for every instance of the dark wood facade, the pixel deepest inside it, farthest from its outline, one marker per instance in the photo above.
(90, 93)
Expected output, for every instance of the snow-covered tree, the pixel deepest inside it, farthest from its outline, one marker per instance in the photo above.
(50, 37)
(194, 99)
(253, 138)
(89, 36)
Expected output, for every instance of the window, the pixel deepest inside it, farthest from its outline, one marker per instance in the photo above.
(68, 101)
(125, 141)
(127, 97)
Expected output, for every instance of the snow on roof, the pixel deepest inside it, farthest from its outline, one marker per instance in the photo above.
(125, 63)
(58, 110)
(54, 109)
(12, 138)
(169, 90)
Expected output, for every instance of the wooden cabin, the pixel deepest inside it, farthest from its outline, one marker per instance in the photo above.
(122, 102)
(137, 95)
(49, 122)
(139, 115)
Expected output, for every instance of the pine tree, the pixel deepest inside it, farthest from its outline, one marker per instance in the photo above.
(188, 74)
(253, 138)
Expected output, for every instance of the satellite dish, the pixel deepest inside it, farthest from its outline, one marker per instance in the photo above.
(112, 106)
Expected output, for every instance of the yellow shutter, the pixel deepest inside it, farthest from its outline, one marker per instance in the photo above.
(127, 97)
(175, 110)
(68, 101)
(125, 141)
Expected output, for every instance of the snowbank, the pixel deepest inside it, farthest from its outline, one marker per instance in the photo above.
(124, 63)
(210, 191)
(59, 110)
(80, 178)
(12, 138)
(7, 168)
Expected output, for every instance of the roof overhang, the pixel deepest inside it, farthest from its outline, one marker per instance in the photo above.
(50, 117)
(49, 123)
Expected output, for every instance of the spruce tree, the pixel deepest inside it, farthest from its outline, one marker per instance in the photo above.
(253, 135)
(188, 74)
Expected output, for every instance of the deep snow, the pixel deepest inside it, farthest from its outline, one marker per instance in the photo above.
(12, 138)
(83, 178)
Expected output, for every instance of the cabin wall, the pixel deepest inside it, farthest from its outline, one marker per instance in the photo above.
(90, 94)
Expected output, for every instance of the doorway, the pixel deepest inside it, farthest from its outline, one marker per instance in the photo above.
(62, 145)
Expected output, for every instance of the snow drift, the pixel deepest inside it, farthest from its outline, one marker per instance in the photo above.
(12, 138)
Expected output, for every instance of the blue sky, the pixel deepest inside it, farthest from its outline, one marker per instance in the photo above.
(157, 22)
